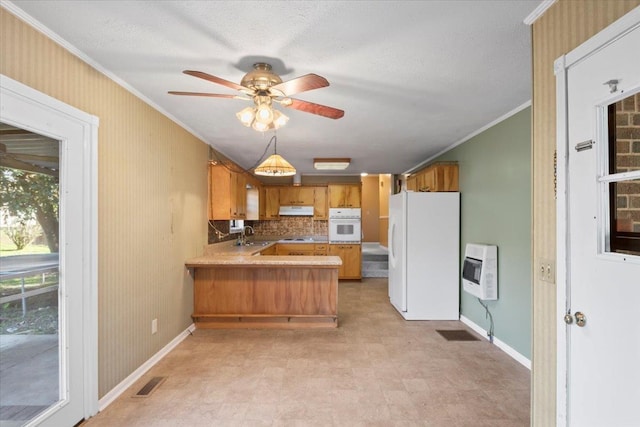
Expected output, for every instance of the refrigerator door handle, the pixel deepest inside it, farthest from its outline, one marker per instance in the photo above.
(392, 245)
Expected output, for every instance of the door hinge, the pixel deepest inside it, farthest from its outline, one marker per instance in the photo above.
(584, 145)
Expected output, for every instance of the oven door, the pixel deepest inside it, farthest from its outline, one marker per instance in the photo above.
(344, 230)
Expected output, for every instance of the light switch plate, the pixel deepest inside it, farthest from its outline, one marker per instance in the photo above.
(547, 270)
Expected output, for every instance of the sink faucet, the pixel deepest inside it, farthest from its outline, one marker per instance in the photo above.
(243, 233)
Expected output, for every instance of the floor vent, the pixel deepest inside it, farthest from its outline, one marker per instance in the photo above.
(150, 387)
(456, 335)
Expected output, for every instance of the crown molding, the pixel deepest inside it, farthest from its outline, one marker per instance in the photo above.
(538, 11)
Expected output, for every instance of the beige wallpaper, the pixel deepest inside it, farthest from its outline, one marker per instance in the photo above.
(152, 195)
(563, 27)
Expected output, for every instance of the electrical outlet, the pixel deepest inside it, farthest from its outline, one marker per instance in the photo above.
(154, 326)
(547, 270)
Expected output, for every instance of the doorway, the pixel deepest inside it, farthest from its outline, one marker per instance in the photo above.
(73, 133)
(598, 230)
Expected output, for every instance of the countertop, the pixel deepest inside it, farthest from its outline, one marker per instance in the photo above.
(264, 260)
(228, 253)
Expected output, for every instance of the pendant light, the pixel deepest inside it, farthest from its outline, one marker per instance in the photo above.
(275, 165)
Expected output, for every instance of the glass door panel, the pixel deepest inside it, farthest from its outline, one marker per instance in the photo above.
(30, 379)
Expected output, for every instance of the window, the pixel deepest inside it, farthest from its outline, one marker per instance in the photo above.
(624, 182)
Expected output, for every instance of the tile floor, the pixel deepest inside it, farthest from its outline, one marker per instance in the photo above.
(375, 369)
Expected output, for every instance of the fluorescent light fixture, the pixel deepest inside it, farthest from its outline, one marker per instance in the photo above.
(331, 164)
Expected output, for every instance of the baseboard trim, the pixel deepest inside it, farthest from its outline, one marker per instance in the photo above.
(500, 344)
(138, 373)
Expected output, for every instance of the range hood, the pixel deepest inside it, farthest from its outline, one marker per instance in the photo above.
(296, 210)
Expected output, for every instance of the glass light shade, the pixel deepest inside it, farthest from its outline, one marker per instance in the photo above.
(279, 119)
(275, 165)
(264, 114)
(246, 116)
(261, 127)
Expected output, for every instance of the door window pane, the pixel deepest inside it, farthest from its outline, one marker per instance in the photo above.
(624, 135)
(624, 157)
(29, 304)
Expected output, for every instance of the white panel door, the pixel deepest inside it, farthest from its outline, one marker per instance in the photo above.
(603, 352)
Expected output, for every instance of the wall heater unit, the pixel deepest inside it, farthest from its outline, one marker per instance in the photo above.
(480, 271)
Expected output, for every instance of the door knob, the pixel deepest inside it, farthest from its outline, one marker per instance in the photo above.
(581, 319)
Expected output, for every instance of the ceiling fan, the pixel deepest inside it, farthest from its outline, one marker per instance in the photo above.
(264, 87)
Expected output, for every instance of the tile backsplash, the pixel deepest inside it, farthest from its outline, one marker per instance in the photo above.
(292, 226)
(284, 227)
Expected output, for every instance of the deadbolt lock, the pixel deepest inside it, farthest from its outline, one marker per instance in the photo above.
(568, 319)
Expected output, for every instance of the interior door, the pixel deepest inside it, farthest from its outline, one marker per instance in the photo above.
(603, 331)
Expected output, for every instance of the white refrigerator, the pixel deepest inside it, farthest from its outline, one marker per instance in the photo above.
(424, 255)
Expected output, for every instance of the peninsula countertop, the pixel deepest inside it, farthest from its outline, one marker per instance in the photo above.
(230, 254)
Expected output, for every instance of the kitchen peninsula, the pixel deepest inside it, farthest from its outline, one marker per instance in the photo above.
(237, 287)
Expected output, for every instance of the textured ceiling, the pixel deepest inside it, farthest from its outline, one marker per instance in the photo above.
(413, 77)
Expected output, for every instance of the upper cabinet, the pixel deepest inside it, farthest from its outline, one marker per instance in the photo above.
(320, 209)
(296, 196)
(442, 176)
(227, 194)
(269, 203)
(344, 195)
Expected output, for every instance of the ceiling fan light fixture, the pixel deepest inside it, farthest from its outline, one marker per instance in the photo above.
(279, 119)
(331, 164)
(246, 116)
(261, 127)
(264, 114)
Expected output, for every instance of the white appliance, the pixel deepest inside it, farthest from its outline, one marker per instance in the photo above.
(345, 225)
(480, 271)
(424, 255)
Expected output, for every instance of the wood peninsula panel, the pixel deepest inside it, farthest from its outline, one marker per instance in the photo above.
(266, 297)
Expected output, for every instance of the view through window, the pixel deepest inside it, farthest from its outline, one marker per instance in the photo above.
(29, 263)
(624, 156)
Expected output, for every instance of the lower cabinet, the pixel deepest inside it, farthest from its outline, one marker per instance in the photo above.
(295, 248)
(351, 256)
(271, 250)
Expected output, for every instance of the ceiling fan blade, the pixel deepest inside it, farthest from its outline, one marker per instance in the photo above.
(300, 84)
(211, 95)
(218, 80)
(310, 107)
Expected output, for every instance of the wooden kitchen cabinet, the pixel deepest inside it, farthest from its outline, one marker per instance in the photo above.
(239, 189)
(269, 203)
(351, 256)
(271, 250)
(296, 196)
(227, 194)
(441, 176)
(295, 249)
(320, 209)
(344, 195)
(321, 249)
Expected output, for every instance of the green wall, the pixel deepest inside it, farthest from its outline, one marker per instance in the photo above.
(495, 186)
